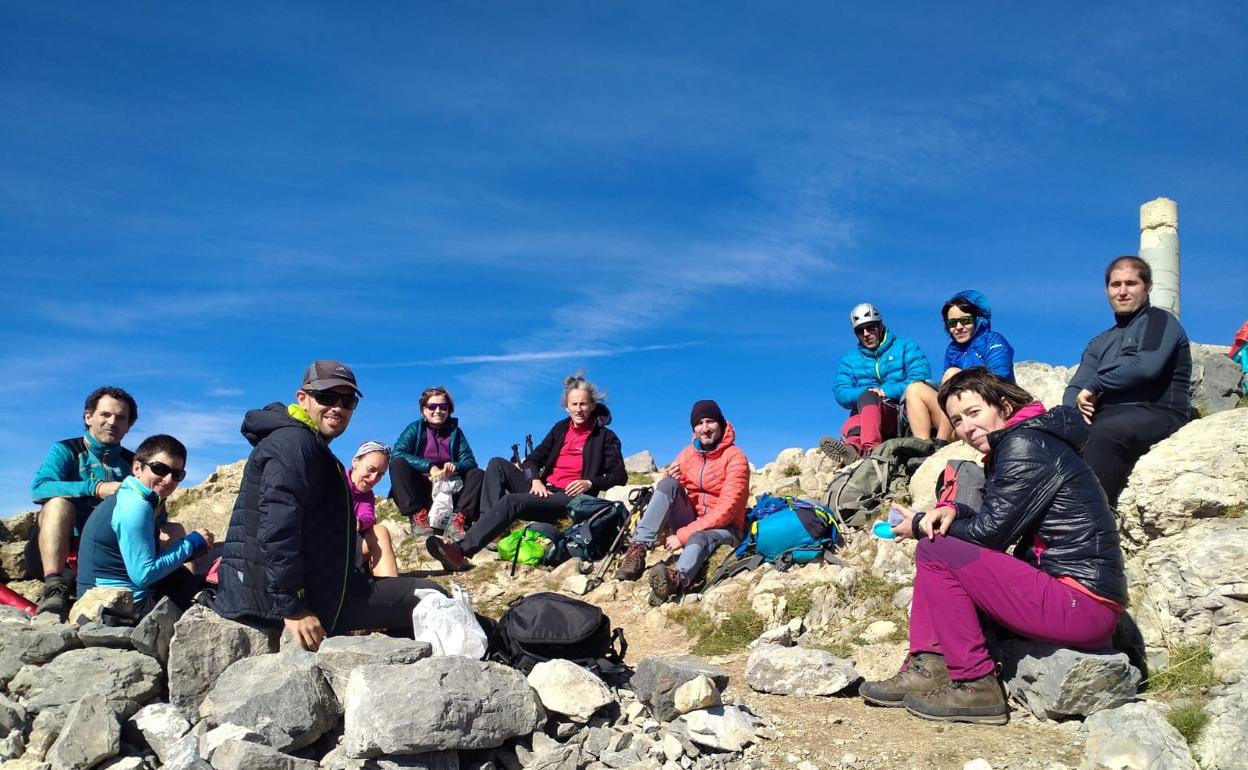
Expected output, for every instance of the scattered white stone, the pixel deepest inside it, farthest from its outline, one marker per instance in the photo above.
(698, 693)
(879, 631)
(978, 763)
(568, 689)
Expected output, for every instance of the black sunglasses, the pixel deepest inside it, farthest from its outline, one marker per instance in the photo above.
(162, 470)
(331, 398)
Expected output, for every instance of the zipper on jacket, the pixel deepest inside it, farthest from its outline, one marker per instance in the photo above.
(346, 570)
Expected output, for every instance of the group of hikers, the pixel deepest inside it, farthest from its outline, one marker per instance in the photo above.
(303, 550)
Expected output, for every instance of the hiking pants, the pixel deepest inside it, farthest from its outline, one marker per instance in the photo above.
(380, 603)
(1121, 434)
(670, 503)
(955, 580)
(413, 491)
(871, 421)
(505, 497)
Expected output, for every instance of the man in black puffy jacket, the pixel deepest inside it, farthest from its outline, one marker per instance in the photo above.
(290, 548)
(1133, 381)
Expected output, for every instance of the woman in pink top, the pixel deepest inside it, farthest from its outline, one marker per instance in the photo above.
(579, 456)
(368, 466)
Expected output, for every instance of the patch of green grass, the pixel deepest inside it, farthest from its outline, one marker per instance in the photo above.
(798, 602)
(792, 469)
(695, 622)
(1190, 668)
(1201, 412)
(1243, 402)
(1189, 719)
(734, 633)
(841, 648)
(642, 479)
(1235, 512)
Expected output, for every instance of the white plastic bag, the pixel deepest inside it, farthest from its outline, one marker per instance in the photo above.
(447, 623)
(444, 489)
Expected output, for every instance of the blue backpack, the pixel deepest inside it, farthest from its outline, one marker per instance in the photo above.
(783, 531)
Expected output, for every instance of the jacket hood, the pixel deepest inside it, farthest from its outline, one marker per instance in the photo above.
(728, 439)
(983, 315)
(259, 423)
(1064, 422)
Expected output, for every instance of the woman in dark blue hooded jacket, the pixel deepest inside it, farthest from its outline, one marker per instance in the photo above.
(972, 342)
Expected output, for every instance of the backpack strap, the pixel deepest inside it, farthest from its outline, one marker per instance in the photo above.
(734, 565)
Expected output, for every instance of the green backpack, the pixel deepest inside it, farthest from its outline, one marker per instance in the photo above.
(528, 545)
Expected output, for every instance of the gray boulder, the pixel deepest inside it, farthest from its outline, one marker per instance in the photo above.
(90, 736)
(1055, 682)
(23, 643)
(1223, 743)
(1215, 379)
(568, 689)
(212, 739)
(340, 655)
(1047, 383)
(244, 755)
(127, 678)
(797, 671)
(447, 702)
(184, 755)
(204, 645)
(284, 696)
(657, 679)
(161, 725)
(154, 631)
(99, 635)
(44, 729)
(643, 462)
(1134, 736)
(12, 716)
(13, 562)
(724, 728)
(125, 763)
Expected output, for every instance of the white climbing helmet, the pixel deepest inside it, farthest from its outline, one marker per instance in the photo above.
(864, 313)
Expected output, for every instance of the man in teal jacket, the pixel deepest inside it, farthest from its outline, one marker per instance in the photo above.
(881, 375)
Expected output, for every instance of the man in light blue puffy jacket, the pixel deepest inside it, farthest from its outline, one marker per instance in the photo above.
(874, 381)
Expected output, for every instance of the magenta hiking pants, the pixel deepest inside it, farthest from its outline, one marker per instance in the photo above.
(955, 580)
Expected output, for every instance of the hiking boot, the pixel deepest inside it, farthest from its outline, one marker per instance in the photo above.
(450, 555)
(838, 450)
(456, 528)
(979, 700)
(923, 673)
(633, 563)
(420, 523)
(55, 598)
(665, 582)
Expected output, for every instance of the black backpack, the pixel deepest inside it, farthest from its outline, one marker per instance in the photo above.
(590, 538)
(545, 626)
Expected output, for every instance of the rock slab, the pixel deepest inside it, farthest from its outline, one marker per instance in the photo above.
(90, 736)
(566, 688)
(781, 670)
(724, 728)
(340, 655)
(657, 679)
(1055, 682)
(1134, 736)
(204, 645)
(284, 695)
(127, 678)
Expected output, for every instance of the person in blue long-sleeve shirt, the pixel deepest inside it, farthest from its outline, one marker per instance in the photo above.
(120, 545)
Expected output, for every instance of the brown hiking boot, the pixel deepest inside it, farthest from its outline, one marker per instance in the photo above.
(838, 451)
(665, 582)
(923, 673)
(978, 700)
(633, 563)
(55, 598)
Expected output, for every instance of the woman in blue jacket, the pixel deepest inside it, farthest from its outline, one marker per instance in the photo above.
(972, 342)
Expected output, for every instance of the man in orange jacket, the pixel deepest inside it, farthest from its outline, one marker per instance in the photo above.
(702, 496)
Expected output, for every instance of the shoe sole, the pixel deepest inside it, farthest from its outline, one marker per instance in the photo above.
(445, 565)
(888, 704)
(977, 719)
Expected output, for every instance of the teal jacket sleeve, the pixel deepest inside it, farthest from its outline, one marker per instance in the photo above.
(407, 447)
(135, 527)
(844, 388)
(51, 478)
(464, 458)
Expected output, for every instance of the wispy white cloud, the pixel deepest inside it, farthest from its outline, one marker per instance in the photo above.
(197, 428)
(529, 356)
(222, 392)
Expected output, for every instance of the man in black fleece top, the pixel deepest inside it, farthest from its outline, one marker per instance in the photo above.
(1133, 382)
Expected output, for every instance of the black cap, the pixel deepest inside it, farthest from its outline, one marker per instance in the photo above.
(706, 408)
(326, 373)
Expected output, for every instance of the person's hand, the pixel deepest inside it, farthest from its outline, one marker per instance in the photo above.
(936, 521)
(576, 487)
(1086, 401)
(905, 528)
(449, 469)
(538, 488)
(672, 543)
(673, 471)
(208, 537)
(877, 391)
(107, 488)
(307, 630)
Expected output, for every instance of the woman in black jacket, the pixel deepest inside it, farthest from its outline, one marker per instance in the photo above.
(1064, 584)
(579, 456)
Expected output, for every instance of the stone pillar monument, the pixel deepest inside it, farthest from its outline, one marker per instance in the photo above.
(1159, 247)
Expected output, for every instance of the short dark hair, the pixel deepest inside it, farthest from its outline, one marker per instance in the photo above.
(161, 442)
(437, 390)
(1130, 260)
(992, 389)
(963, 304)
(93, 400)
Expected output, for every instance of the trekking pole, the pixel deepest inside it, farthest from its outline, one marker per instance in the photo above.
(515, 455)
(528, 445)
(638, 499)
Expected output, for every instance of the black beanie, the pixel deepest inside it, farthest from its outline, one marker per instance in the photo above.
(706, 408)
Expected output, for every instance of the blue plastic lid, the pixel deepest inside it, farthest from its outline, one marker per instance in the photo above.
(883, 530)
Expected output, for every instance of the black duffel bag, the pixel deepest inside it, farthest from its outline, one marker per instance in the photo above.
(545, 626)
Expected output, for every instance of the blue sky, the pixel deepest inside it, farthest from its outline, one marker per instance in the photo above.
(683, 199)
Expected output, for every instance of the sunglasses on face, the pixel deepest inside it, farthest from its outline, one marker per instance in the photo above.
(438, 407)
(330, 398)
(966, 320)
(162, 470)
(872, 328)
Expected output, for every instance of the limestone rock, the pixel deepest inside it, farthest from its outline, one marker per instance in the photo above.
(566, 688)
(161, 725)
(1057, 682)
(210, 503)
(125, 763)
(338, 656)
(12, 716)
(724, 728)
(1199, 472)
(184, 755)
(656, 680)
(1223, 743)
(447, 702)
(244, 755)
(1046, 383)
(698, 693)
(212, 739)
(22, 643)
(90, 736)
(879, 631)
(92, 605)
(284, 695)
(797, 671)
(98, 635)
(13, 561)
(154, 632)
(643, 462)
(1134, 736)
(1215, 379)
(204, 645)
(12, 745)
(44, 730)
(127, 678)
(16, 528)
(923, 483)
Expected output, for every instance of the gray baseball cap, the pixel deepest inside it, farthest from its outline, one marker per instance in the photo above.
(326, 373)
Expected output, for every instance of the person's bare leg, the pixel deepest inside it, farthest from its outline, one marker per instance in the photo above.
(948, 373)
(917, 412)
(56, 529)
(380, 552)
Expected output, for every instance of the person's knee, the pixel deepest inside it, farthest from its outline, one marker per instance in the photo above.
(56, 517)
(382, 534)
(668, 486)
(703, 541)
(496, 465)
(918, 391)
(868, 398)
(949, 373)
(401, 466)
